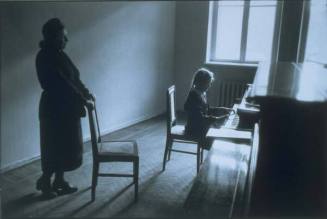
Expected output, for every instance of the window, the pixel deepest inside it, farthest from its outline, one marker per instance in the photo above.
(243, 31)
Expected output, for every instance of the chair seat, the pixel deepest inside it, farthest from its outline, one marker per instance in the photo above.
(178, 132)
(118, 151)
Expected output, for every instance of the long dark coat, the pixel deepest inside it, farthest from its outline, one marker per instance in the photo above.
(60, 109)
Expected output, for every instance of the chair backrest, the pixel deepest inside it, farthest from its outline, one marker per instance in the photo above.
(94, 130)
(171, 115)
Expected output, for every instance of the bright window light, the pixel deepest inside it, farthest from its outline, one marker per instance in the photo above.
(242, 31)
(316, 46)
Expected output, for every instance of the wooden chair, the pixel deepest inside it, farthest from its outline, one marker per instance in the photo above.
(175, 133)
(111, 151)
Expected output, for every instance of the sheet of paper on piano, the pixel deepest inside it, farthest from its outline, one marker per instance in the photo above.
(248, 107)
(226, 133)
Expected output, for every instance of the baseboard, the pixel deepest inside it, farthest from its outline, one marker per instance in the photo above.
(18, 164)
(23, 162)
(125, 125)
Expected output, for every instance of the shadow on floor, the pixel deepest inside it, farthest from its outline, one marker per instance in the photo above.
(61, 203)
(104, 205)
(21, 202)
(146, 185)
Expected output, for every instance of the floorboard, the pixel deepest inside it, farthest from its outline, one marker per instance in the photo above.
(161, 194)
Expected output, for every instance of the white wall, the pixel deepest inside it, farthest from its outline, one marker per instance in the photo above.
(124, 51)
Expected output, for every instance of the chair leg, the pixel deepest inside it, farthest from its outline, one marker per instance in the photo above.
(136, 178)
(198, 154)
(94, 179)
(169, 151)
(168, 146)
(201, 155)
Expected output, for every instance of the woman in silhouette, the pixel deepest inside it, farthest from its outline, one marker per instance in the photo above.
(200, 116)
(60, 110)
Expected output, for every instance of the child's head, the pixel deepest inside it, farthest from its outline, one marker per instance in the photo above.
(202, 79)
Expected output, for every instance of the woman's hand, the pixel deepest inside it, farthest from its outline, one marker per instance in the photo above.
(92, 97)
(89, 104)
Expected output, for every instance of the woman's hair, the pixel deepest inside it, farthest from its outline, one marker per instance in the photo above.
(202, 75)
(51, 28)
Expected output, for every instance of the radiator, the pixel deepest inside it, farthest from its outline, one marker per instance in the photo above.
(229, 91)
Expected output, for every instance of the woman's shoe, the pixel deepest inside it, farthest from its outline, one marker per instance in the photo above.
(63, 187)
(44, 185)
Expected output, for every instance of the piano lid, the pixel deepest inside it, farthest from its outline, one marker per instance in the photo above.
(306, 82)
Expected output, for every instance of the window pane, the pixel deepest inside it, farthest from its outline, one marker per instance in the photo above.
(263, 2)
(230, 3)
(260, 33)
(316, 46)
(229, 31)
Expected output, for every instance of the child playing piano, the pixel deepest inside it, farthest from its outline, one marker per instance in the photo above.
(200, 116)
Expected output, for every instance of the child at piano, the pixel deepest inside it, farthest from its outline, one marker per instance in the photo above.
(200, 116)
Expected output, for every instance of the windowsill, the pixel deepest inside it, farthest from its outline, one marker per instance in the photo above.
(232, 64)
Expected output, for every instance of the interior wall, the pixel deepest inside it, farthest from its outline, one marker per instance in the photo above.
(190, 50)
(124, 51)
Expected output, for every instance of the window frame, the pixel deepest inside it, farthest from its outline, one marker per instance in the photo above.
(212, 32)
(304, 27)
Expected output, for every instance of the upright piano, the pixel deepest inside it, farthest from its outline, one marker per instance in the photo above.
(290, 177)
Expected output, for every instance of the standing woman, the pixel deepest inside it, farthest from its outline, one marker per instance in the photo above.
(61, 108)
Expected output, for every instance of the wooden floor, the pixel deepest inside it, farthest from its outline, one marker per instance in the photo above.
(161, 194)
(218, 190)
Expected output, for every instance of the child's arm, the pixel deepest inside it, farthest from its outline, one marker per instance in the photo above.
(212, 118)
(219, 111)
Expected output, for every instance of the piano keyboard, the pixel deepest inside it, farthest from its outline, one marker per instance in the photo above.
(233, 119)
